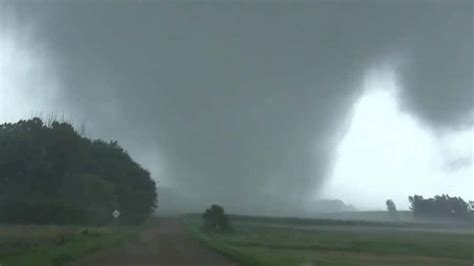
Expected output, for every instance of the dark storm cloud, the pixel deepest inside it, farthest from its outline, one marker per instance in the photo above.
(243, 102)
(439, 73)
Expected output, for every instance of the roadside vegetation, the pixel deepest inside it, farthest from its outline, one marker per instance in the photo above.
(51, 174)
(262, 242)
(47, 245)
(58, 190)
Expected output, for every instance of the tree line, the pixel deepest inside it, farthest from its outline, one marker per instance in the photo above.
(443, 207)
(51, 174)
(438, 207)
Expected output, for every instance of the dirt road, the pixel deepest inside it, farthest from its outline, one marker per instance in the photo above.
(164, 244)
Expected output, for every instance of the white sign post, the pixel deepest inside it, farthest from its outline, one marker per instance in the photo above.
(116, 215)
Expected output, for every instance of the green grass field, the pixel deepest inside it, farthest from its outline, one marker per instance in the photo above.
(260, 243)
(22, 245)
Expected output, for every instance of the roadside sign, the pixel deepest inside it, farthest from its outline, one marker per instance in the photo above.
(116, 215)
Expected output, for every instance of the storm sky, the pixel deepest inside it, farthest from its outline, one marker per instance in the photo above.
(257, 106)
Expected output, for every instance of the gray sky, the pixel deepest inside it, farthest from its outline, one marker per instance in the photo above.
(256, 105)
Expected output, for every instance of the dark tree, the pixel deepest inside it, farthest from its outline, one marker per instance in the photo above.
(392, 209)
(215, 219)
(51, 174)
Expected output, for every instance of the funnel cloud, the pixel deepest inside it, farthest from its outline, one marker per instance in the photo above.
(238, 103)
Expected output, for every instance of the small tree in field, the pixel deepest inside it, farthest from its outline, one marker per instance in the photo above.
(215, 219)
(392, 209)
